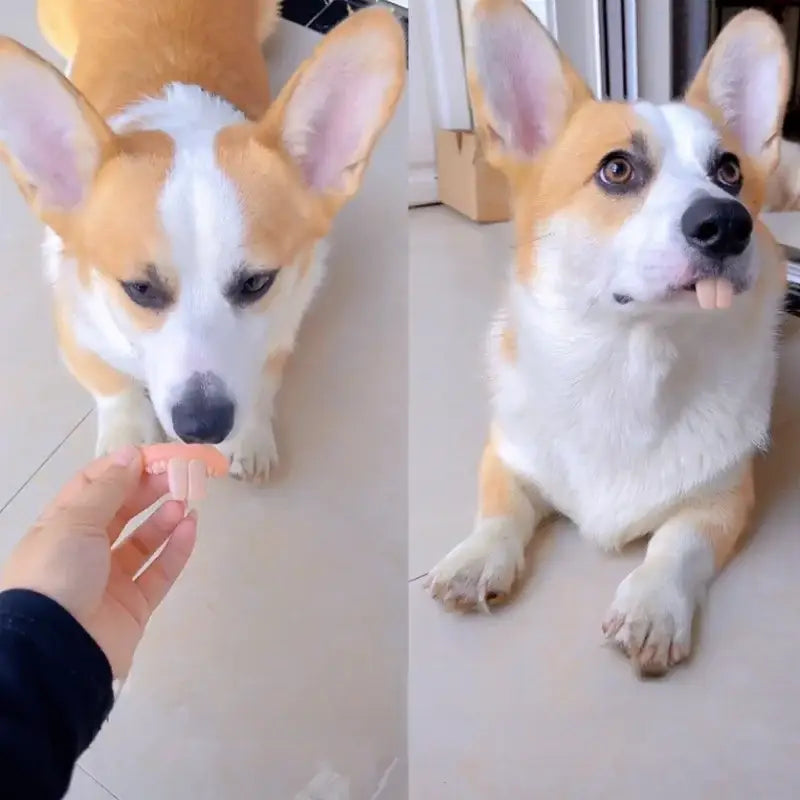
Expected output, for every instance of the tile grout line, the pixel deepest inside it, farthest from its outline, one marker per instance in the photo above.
(384, 779)
(101, 785)
(47, 458)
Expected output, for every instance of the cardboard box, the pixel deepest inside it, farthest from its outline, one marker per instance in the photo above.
(466, 181)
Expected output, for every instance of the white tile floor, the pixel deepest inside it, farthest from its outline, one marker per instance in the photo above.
(282, 651)
(525, 703)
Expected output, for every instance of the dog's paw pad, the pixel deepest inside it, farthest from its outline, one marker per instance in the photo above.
(650, 620)
(477, 574)
(253, 457)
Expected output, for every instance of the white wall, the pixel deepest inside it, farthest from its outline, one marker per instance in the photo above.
(654, 29)
(438, 89)
(422, 154)
(577, 24)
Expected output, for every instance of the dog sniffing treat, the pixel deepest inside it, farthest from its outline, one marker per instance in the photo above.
(187, 467)
(69, 148)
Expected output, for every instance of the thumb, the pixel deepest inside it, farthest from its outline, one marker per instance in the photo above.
(100, 490)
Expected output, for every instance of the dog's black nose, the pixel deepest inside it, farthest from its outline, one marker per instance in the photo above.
(717, 227)
(204, 414)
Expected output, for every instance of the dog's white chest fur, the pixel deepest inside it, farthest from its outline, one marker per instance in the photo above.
(615, 423)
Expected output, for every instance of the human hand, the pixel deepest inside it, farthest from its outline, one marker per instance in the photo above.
(72, 555)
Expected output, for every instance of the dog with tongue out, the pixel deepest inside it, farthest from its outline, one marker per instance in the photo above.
(718, 231)
(633, 362)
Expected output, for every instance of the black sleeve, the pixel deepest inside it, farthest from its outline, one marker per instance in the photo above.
(55, 693)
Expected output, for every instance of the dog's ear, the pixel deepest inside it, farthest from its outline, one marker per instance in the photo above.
(743, 84)
(330, 114)
(523, 89)
(52, 139)
(783, 186)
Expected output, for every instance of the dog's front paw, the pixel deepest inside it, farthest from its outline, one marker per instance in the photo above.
(127, 422)
(651, 620)
(479, 572)
(253, 454)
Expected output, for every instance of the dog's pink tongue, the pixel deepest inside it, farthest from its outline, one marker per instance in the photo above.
(714, 293)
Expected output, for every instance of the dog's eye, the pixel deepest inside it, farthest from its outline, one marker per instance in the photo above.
(616, 170)
(257, 284)
(250, 288)
(728, 173)
(147, 294)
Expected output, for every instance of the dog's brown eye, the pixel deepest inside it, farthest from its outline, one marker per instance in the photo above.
(147, 294)
(616, 170)
(728, 172)
(139, 288)
(256, 284)
(247, 288)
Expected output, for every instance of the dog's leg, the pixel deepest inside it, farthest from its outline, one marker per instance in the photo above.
(651, 616)
(253, 452)
(482, 569)
(126, 418)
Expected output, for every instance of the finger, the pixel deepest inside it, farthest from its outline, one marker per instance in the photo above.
(150, 489)
(80, 481)
(95, 496)
(156, 581)
(132, 554)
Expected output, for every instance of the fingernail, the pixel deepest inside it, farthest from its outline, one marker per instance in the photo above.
(126, 456)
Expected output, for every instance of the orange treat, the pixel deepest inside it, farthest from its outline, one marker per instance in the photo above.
(157, 456)
(186, 465)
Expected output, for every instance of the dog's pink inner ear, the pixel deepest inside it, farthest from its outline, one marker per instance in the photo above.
(523, 83)
(48, 159)
(336, 112)
(43, 131)
(745, 77)
(745, 84)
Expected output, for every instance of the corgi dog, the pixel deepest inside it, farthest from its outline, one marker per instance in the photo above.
(187, 214)
(634, 360)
